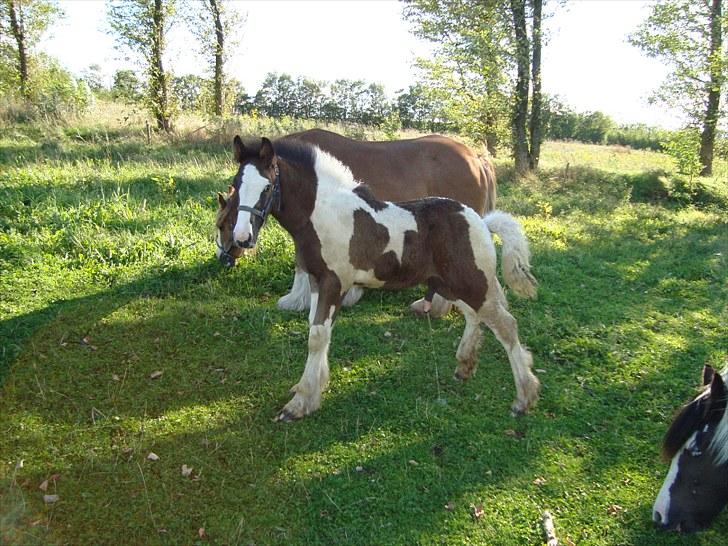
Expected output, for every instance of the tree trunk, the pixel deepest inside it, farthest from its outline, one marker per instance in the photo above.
(18, 30)
(219, 50)
(158, 83)
(520, 108)
(707, 137)
(535, 125)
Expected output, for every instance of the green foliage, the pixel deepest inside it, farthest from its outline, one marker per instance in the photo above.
(352, 101)
(467, 80)
(52, 94)
(126, 86)
(677, 32)
(140, 27)
(683, 147)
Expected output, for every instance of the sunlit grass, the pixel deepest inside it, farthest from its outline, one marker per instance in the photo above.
(108, 277)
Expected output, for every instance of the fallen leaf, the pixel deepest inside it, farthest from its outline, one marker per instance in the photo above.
(201, 532)
(153, 456)
(477, 511)
(186, 470)
(539, 481)
(50, 499)
(615, 509)
(413, 462)
(387, 334)
(359, 469)
(43, 486)
(156, 375)
(515, 433)
(115, 377)
(450, 506)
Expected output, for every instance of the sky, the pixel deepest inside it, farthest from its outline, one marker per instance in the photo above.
(587, 61)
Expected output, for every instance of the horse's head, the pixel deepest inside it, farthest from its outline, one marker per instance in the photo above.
(696, 487)
(255, 190)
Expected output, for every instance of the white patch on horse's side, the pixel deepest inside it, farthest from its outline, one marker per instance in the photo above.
(661, 508)
(333, 220)
(251, 186)
(719, 443)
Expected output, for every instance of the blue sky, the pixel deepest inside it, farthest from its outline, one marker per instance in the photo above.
(586, 60)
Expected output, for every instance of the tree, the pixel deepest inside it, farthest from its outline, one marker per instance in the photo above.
(689, 36)
(187, 91)
(93, 78)
(141, 27)
(126, 86)
(469, 71)
(215, 24)
(22, 23)
(482, 68)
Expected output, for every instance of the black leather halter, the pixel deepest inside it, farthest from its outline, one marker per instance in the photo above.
(272, 198)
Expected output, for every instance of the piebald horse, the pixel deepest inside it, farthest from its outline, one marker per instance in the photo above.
(696, 487)
(346, 238)
(402, 170)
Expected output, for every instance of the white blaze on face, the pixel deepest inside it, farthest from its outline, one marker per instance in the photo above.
(661, 508)
(252, 185)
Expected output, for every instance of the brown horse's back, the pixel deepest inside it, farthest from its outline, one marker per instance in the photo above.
(403, 170)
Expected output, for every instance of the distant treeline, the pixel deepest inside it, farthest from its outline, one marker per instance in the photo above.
(358, 101)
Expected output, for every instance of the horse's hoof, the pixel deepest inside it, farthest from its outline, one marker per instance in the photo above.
(285, 416)
(518, 409)
(460, 377)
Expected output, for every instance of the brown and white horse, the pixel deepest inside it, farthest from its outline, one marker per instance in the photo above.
(345, 237)
(696, 487)
(402, 170)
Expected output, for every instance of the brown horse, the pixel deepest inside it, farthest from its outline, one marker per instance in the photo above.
(345, 237)
(402, 170)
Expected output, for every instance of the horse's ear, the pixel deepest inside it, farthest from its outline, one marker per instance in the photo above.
(266, 151)
(717, 399)
(708, 373)
(238, 149)
(221, 200)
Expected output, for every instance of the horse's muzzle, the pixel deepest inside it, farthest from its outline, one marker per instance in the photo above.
(227, 260)
(247, 244)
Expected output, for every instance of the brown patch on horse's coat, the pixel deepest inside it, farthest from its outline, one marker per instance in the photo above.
(368, 240)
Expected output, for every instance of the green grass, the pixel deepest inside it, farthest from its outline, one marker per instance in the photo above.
(108, 275)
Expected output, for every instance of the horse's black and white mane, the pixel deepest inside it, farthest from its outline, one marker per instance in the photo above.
(690, 420)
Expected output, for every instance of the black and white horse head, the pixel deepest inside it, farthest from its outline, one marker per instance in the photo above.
(255, 191)
(696, 487)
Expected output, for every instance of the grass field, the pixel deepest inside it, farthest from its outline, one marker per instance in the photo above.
(108, 278)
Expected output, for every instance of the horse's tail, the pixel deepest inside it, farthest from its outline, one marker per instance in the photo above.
(487, 178)
(516, 266)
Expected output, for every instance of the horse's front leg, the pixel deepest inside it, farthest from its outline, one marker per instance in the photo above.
(325, 301)
(299, 297)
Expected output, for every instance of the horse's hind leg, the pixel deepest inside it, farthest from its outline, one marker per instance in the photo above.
(467, 354)
(505, 328)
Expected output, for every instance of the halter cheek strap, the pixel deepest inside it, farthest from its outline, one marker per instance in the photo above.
(273, 197)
